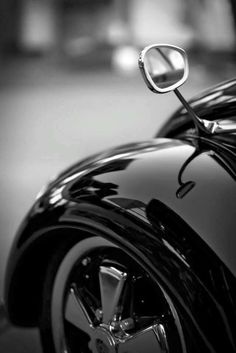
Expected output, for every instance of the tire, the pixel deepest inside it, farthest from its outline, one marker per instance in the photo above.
(98, 299)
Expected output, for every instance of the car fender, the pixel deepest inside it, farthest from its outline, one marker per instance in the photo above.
(169, 203)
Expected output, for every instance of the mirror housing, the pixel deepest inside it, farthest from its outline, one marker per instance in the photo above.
(164, 67)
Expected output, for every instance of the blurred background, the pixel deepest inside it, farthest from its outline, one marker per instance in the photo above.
(70, 86)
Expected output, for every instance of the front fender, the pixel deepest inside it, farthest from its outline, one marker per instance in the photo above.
(197, 183)
(169, 203)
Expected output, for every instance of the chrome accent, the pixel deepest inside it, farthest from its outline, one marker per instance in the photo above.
(161, 336)
(76, 313)
(219, 126)
(148, 340)
(111, 286)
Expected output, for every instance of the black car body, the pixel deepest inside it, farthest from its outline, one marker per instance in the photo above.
(169, 203)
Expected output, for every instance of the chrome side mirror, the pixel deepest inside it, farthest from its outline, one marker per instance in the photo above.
(163, 67)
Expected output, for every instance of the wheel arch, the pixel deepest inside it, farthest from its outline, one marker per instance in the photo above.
(23, 292)
(27, 267)
(28, 264)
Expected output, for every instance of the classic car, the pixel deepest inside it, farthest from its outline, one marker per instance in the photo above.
(134, 249)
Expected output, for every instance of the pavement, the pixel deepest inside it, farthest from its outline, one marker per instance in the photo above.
(53, 113)
(17, 340)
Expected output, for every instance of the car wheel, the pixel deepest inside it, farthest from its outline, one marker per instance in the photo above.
(97, 299)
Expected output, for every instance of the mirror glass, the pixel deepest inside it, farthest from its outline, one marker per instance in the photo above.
(165, 67)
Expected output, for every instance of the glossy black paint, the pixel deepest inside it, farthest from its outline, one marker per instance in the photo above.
(170, 204)
(159, 170)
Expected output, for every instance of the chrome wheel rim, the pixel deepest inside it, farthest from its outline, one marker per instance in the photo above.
(104, 302)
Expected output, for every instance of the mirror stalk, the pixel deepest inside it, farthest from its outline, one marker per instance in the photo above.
(206, 126)
(199, 124)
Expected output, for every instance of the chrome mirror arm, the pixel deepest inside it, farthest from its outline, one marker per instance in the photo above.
(199, 123)
(206, 126)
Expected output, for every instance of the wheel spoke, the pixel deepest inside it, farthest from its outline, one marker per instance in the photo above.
(111, 286)
(76, 313)
(148, 340)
